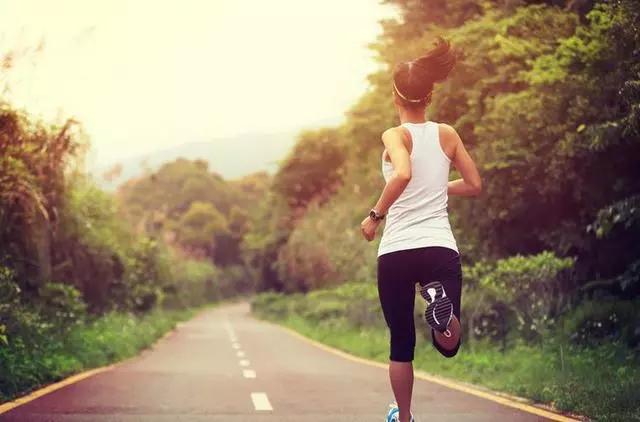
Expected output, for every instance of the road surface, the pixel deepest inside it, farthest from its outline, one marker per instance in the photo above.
(225, 365)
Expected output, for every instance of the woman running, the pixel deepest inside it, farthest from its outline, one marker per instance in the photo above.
(417, 245)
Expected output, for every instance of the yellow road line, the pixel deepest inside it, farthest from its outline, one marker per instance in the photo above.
(514, 402)
(71, 380)
(5, 407)
(51, 388)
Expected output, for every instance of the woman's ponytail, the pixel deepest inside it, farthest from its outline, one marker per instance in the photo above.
(414, 80)
(436, 65)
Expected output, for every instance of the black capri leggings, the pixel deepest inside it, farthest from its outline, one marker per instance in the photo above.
(398, 273)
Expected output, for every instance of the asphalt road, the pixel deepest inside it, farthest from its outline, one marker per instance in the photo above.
(225, 365)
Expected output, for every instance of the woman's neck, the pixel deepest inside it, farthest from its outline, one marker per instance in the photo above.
(412, 116)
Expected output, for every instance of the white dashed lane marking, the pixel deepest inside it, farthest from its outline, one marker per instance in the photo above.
(261, 401)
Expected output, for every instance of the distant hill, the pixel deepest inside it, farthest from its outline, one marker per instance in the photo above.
(232, 158)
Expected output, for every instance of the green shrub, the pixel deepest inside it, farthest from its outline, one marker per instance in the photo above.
(27, 362)
(326, 248)
(9, 289)
(61, 305)
(270, 305)
(9, 294)
(526, 293)
(191, 284)
(598, 322)
(20, 322)
(148, 270)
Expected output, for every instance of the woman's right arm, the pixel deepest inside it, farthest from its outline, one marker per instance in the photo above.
(470, 184)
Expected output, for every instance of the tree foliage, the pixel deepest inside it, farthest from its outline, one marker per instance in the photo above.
(201, 214)
(546, 96)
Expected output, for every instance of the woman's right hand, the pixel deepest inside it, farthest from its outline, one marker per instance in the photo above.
(368, 228)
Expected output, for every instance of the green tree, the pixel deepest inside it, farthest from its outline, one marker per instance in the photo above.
(199, 226)
(171, 190)
(313, 170)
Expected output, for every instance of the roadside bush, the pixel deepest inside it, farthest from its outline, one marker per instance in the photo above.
(270, 305)
(518, 296)
(192, 284)
(90, 244)
(304, 265)
(525, 293)
(9, 297)
(355, 304)
(326, 248)
(26, 363)
(484, 316)
(148, 270)
(57, 309)
(20, 322)
(600, 322)
(363, 306)
(61, 306)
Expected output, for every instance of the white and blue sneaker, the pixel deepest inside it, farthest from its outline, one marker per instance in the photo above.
(394, 413)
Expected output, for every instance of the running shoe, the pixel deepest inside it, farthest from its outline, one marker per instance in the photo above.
(394, 413)
(439, 307)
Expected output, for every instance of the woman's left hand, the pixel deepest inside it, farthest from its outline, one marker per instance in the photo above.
(368, 228)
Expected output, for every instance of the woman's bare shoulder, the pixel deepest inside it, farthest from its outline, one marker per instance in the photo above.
(447, 130)
(449, 139)
(448, 134)
(394, 131)
(399, 131)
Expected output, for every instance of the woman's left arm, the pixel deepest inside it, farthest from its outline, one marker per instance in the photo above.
(393, 140)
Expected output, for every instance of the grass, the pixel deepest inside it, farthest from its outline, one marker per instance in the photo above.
(602, 383)
(26, 365)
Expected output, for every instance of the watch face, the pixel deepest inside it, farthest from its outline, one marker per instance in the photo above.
(375, 216)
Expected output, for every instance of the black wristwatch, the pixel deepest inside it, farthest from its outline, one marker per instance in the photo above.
(375, 216)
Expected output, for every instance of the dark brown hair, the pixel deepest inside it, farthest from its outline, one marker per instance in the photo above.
(414, 80)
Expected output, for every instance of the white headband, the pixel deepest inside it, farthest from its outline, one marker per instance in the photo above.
(407, 99)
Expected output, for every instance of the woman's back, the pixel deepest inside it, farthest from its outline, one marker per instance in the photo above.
(417, 245)
(418, 218)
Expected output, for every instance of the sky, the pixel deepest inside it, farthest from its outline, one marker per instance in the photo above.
(145, 75)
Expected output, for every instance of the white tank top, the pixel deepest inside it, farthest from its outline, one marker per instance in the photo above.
(419, 216)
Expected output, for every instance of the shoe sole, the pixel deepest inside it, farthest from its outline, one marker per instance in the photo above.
(439, 307)
(436, 287)
(438, 314)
